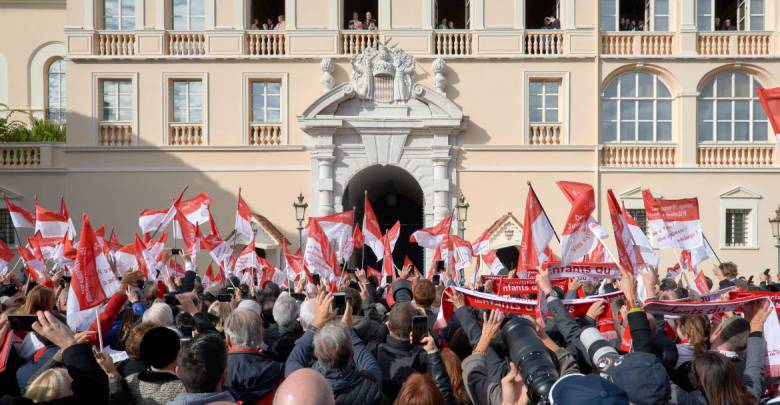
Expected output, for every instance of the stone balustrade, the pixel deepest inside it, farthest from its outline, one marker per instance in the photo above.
(638, 155)
(115, 43)
(354, 42)
(182, 43)
(263, 134)
(266, 43)
(734, 43)
(452, 42)
(543, 42)
(23, 155)
(637, 43)
(544, 134)
(736, 155)
(115, 134)
(180, 134)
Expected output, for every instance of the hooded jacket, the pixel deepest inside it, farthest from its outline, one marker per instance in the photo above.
(251, 375)
(398, 359)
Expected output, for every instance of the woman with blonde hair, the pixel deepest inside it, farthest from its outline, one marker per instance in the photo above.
(455, 371)
(54, 383)
(220, 311)
(39, 298)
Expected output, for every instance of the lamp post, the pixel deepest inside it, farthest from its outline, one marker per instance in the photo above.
(775, 224)
(300, 215)
(463, 212)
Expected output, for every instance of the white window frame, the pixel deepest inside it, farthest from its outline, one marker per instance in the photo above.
(168, 79)
(62, 101)
(188, 17)
(97, 101)
(740, 198)
(752, 99)
(748, 15)
(119, 16)
(655, 15)
(618, 98)
(247, 79)
(649, 21)
(544, 106)
(564, 95)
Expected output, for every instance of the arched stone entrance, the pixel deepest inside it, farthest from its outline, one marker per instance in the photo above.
(395, 196)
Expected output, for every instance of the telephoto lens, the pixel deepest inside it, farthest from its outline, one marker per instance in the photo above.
(532, 358)
(600, 352)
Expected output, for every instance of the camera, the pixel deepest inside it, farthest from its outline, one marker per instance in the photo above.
(602, 355)
(532, 358)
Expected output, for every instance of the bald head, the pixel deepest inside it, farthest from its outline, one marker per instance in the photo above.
(304, 387)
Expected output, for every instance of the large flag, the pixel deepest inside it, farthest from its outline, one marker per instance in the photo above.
(294, 262)
(458, 250)
(579, 236)
(431, 238)
(701, 253)
(628, 251)
(66, 214)
(145, 259)
(673, 223)
(319, 255)
(49, 223)
(6, 254)
(491, 260)
(646, 250)
(219, 250)
(338, 227)
(537, 233)
(247, 259)
(770, 100)
(150, 220)
(196, 209)
(125, 258)
(20, 217)
(482, 245)
(243, 218)
(372, 233)
(34, 261)
(187, 232)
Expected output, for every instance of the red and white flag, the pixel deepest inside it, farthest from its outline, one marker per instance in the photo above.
(537, 233)
(319, 255)
(700, 254)
(243, 218)
(673, 223)
(436, 258)
(219, 250)
(388, 267)
(294, 262)
(126, 258)
(482, 245)
(372, 233)
(49, 223)
(20, 217)
(770, 100)
(338, 227)
(189, 233)
(646, 250)
(493, 263)
(145, 259)
(34, 261)
(113, 242)
(247, 259)
(150, 220)
(578, 237)
(66, 214)
(196, 209)
(628, 250)
(357, 238)
(6, 254)
(431, 238)
(213, 276)
(673, 272)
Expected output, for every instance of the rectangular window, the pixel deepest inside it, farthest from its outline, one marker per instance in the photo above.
(6, 227)
(117, 99)
(187, 101)
(737, 227)
(188, 15)
(704, 15)
(266, 101)
(640, 217)
(543, 98)
(119, 15)
(661, 15)
(756, 15)
(608, 18)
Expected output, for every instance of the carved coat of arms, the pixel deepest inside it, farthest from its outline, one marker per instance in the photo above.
(384, 74)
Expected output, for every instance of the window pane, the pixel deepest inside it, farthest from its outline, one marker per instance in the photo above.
(705, 110)
(627, 132)
(125, 114)
(551, 101)
(760, 131)
(741, 131)
(609, 110)
(645, 85)
(664, 131)
(196, 115)
(661, 23)
(608, 131)
(128, 23)
(179, 114)
(552, 115)
(535, 102)
(705, 131)
(703, 23)
(534, 88)
(724, 85)
(196, 8)
(197, 23)
(724, 131)
(627, 110)
(274, 88)
(758, 111)
(627, 85)
(645, 131)
(724, 110)
(125, 101)
(536, 115)
(611, 90)
(664, 110)
(742, 110)
(741, 85)
(196, 87)
(646, 110)
(662, 90)
(706, 91)
(274, 116)
(551, 87)
(111, 23)
(757, 23)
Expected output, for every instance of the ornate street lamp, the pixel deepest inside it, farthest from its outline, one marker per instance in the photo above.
(300, 215)
(463, 211)
(775, 224)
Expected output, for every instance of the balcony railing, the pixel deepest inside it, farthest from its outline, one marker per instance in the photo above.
(544, 134)
(452, 42)
(13, 156)
(736, 155)
(115, 43)
(354, 42)
(734, 43)
(115, 134)
(264, 134)
(637, 43)
(638, 155)
(180, 134)
(186, 43)
(543, 42)
(266, 43)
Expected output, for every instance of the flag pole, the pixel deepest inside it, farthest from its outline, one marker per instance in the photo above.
(713, 250)
(544, 212)
(174, 201)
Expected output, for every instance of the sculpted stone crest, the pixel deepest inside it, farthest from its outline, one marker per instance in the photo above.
(384, 74)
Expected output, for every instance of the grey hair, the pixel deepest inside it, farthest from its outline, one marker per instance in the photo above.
(159, 313)
(306, 313)
(286, 310)
(244, 328)
(333, 346)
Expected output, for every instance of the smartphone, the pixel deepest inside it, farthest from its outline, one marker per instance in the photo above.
(440, 266)
(299, 297)
(175, 251)
(419, 328)
(22, 322)
(389, 279)
(316, 279)
(436, 279)
(171, 299)
(339, 304)
(224, 297)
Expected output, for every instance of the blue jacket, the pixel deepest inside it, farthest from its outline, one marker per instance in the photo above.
(251, 375)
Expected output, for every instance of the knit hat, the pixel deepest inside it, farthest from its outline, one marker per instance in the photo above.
(159, 347)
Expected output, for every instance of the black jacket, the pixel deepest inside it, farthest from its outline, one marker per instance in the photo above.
(369, 330)
(90, 384)
(281, 346)
(398, 359)
(251, 375)
(440, 377)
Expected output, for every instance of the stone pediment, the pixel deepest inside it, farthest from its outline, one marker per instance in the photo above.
(506, 231)
(740, 192)
(635, 193)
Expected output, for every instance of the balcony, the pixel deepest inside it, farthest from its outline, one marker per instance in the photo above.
(543, 42)
(354, 42)
(23, 155)
(115, 43)
(452, 42)
(544, 133)
(115, 134)
(638, 155)
(186, 43)
(637, 43)
(731, 43)
(264, 134)
(736, 155)
(266, 43)
(185, 134)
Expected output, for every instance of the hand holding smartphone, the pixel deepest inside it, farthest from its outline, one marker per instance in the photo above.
(339, 304)
(419, 329)
(22, 323)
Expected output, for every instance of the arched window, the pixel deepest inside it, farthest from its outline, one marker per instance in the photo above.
(729, 110)
(636, 107)
(55, 104)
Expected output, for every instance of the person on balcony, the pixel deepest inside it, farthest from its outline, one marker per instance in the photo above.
(370, 22)
(256, 24)
(355, 23)
(555, 24)
(269, 24)
(444, 24)
(727, 25)
(281, 25)
(451, 25)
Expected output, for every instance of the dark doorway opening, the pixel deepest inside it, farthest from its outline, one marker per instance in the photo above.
(726, 10)
(538, 12)
(264, 14)
(452, 14)
(395, 196)
(361, 7)
(632, 15)
(508, 256)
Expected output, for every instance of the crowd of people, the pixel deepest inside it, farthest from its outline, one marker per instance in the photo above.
(269, 24)
(177, 341)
